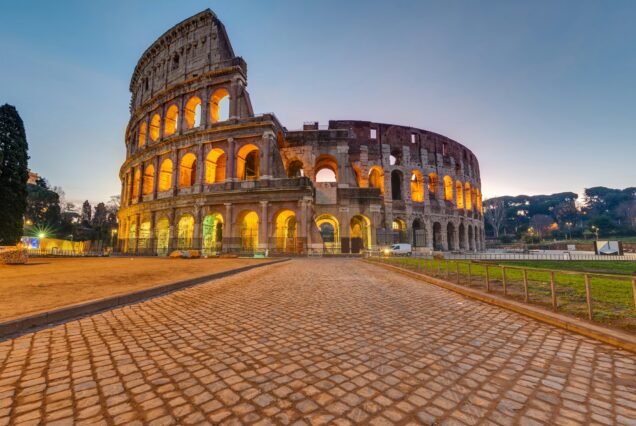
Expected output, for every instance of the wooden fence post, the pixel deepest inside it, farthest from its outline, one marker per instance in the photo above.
(503, 280)
(487, 280)
(525, 285)
(553, 291)
(588, 297)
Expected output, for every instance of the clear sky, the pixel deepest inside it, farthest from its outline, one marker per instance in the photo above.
(544, 92)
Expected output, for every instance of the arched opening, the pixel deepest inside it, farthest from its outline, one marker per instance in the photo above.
(220, 106)
(396, 185)
(248, 231)
(417, 186)
(360, 233)
(376, 178)
(460, 195)
(212, 234)
(398, 226)
(215, 165)
(448, 188)
(162, 236)
(149, 179)
(462, 237)
(185, 232)
(295, 169)
(135, 188)
(155, 127)
(329, 231)
(450, 236)
(437, 237)
(285, 234)
(132, 238)
(469, 204)
(193, 112)
(143, 129)
(473, 196)
(248, 164)
(326, 168)
(165, 175)
(395, 159)
(419, 233)
(432, 185)
(171, 121)
(187, 170)
(144, 243)
(471, 238)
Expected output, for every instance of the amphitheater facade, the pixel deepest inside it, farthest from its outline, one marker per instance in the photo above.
(204, 172)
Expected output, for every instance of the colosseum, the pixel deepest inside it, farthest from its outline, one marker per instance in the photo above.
(204, 172)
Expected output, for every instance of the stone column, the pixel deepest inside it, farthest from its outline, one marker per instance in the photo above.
(182, 124)
(137, 225)
(230, 155)
(155, 181)
(140, 184)
(196, 237)
(263, 227)
(205, 107)
(266, 163)
(175, 172)
(456, 237)
(152, 233)
(172, 217)
(228, 230)
(200, 173)
(234, 99)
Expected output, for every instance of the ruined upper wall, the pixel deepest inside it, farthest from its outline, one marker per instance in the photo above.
(193, 47)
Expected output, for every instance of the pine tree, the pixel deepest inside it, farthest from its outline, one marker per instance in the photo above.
(14, 174)
(86, 213)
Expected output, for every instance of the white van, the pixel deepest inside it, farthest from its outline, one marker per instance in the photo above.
(399, 250)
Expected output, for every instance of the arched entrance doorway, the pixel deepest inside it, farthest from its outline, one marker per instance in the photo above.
(437, 237)
(212, 234)
(419, 234)
(285, 234)
(162, 236)
(248, 230)
(360, 233)
(450, 236)
(329, 232)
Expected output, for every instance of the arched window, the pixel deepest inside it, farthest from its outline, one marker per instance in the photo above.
(417, 186)
(212, 233)
(376, 178)
(248, 230)
(460, 195)
(248, 164)
(149, 179)
(469, 204)
(187, 170)
(143, 129)
(432, 185)
(135, 188)
(295, 169)
(215, 164)
(171, 121)
(193, 112)
(162, 236)
(326, 169)
(165, 175)
(155, 124)
(448, 188)
(185, 232)
(220, 106)
(396, 185)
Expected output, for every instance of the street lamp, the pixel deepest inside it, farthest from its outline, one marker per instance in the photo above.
(595, 231)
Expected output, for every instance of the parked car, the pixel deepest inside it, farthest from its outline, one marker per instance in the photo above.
(399, 250)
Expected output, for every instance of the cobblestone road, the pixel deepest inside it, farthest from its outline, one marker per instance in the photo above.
(313, 342)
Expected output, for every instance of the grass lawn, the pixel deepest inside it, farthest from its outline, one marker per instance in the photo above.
(48, 283)
(612, 296)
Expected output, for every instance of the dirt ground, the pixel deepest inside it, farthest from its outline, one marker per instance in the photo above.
(45, 284)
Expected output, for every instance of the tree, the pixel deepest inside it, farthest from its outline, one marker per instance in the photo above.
(626, 211)
(87, 213)
(43, 206)
(541, 223)
(100, 216)
(495, 213)
(14, 174)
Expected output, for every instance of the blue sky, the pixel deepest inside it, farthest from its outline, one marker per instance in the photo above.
(544, 92)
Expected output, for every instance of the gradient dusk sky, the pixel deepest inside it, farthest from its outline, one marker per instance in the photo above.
(543, 92)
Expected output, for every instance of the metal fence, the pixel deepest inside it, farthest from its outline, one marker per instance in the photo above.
(208, 247)
(605, 298)
(536, 256)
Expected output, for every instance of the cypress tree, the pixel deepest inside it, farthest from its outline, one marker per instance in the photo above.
(14, 174)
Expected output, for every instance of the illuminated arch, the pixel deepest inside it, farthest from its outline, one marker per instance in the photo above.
(295, 168)
(132, 236)
(155, 127)
(459, 192)
(212, 233)
(286, 228)
(376, 178)
(144, 236)
(432, 185)
(185, 232)
(193, 112)
(398, 225)
(219, 106)
(171, 121)
(360, 227)
(149, 180)
(329, 164)
(165, 175)
(248, 230)
(448, 188)
(162, 236)
(329, 229)
(187, 170)
(248, 164)
(417, 186)
(136, 179)
(473, 196)
(143, 129)
(468, 199)
(215, 165)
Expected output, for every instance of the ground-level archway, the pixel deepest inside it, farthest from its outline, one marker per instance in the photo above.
(212, 234)
(329, 229)
(437, 237)
(162, 236)
(248, 230)
(285, 234)
(360, 233)
(450, 236)
(185, 232)
(419, 233)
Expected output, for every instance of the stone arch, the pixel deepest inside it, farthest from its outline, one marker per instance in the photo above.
(144, 241)
(193, 112)
(219, 106)
(212, 234)
(215, 166)
(165, 175)
(162, 236)
(149, 180)
(376, 178)
(155, 127)
(286, 230)
(248, 164)
(448, 188)
(328, 165)
(419, 233)
(360, 233)
(432, 185)
(467, 199)
(136, 180)
(471, 238)
(450, 236)
(171, 122)
(396, 185)
(417, 186)
(462, 236)
(459, 195)
(295, 168)
(247, 224)
(329, 229)
(187, 170)
(185, 231)
(143, 129)
(437, 237)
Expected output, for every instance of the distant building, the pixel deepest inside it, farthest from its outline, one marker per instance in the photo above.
(204, 172)
(33, 177)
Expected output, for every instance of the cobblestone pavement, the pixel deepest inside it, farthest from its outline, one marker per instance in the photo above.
(313, 342)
